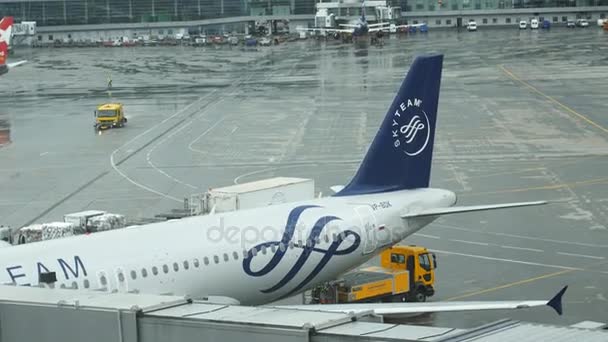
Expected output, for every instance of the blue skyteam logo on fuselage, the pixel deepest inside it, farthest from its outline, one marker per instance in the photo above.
(306, 250)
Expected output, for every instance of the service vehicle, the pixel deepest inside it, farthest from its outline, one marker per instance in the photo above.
(255, 194)
(582, 23)
(265, 41)
(570, 24)
(534, 24)
(47, 231)
(523, 25)
(109, 115)
(472, 26)
(92, 221)
(406, 273)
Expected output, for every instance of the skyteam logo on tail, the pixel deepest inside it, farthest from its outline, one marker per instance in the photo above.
(411, 127)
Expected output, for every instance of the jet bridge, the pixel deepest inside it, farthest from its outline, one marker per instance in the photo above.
(42, 314)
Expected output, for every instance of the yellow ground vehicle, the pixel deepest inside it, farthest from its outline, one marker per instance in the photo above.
(109, 115)
(407, 273)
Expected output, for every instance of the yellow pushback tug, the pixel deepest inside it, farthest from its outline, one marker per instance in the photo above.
(109, 115)
(406, 273)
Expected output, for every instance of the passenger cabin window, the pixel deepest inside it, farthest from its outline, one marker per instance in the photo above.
(144, 272)
(263, 250)
(226, 257)
(216, 259)
(235, 255)
(206, 260)
(155, 270)
(196, 263)
(186, 265)
(397, 258)
(103, 280)
(165, 268)
(133, 275)
(75, 285)
(175, 267)
(424, 261)
(86, 284)
(121, 277)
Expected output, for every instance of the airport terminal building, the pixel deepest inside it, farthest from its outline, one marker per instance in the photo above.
(82, 12)
(112, 19)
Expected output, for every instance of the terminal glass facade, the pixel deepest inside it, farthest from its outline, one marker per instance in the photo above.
(463, 5)
(74, 12)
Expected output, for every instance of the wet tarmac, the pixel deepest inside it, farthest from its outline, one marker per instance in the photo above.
(521, 117)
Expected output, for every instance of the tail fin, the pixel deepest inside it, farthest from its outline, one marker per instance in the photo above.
(3, 52)
(6, 28)
(400, 156)
(363, 11)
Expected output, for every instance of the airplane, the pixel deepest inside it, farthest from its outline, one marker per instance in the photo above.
(257, 256)
(6, 26)
(358, 28)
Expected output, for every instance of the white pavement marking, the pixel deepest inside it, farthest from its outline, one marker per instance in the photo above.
(582, 255)
(471, 242)
(447, 226)
(508, 260)
(523, 248)
(427, 236)
(234, 129)
(130, 180)
(162, 141)
(202, 135)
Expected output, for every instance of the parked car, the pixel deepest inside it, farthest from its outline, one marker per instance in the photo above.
(570, 24)
(472, 26)
(582, 23)
(265, 41)
(534, 24)
(523, 25)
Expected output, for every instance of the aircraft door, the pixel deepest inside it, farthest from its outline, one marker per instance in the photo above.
(367, 229)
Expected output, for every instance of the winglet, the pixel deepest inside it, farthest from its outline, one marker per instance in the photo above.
(556, 301)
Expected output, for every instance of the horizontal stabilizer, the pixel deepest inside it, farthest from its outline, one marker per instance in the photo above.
(336, 188)
(466, 209)
(395, 309)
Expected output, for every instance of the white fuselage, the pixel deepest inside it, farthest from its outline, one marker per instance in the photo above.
(298, 245)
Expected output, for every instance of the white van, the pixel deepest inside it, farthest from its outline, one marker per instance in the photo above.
(534, 23)
(472, 26)
(523, 25)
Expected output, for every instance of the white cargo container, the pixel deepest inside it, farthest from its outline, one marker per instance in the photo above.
(81, 218)
(105, 222)
(258, 194)
(48, 231)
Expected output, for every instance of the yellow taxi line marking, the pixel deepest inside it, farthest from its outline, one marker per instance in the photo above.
(553, 100)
